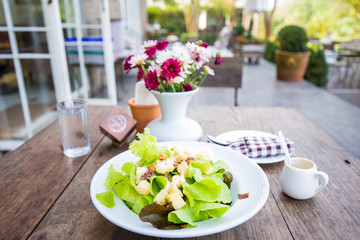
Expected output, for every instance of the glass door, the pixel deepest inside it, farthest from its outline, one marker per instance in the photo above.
(89, 49)
(27, 92)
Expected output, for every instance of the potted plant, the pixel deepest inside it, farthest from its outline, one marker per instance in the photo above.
(292, 57)
(173, 75)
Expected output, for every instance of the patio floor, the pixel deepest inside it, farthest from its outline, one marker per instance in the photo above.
(336, 116)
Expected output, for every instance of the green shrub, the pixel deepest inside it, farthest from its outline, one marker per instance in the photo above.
(209, 37)
(170, 18)
(186, 36)
(270, 48)
(293, 39)
(317, 70)
(238, 29)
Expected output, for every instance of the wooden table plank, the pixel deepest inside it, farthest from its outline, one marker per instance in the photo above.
(76, 217)
(332, 214)
(35, 175)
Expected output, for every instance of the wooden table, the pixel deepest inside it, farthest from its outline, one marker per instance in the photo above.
(45, 195)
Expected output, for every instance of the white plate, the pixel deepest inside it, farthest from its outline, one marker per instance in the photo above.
(233, 135)
(248, 177)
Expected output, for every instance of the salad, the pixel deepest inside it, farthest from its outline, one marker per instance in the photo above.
(171, 188)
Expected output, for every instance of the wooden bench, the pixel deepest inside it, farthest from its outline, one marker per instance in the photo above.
(227, 74)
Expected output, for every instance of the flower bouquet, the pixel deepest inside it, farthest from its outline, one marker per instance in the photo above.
(173, 76)
(179, 69)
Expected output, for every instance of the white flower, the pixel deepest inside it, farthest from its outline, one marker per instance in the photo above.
(182, 54)
(155, 67)
(138, 59)
(208, 70)
(179, 79)
(186, 69)
(149, 43)
(162, 56)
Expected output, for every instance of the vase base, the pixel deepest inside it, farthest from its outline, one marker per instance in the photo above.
(184, 130)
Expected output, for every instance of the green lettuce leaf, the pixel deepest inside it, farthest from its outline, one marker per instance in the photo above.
(146, 148)
(205, 190)
(202, 164)
(107, 197)
(157, 183)
(127, 167)
(183, 215)
(126, 191)
(141, 202)
(219, 164)
(216, 210)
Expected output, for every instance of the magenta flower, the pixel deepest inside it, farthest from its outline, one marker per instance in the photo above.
(188, 87)
(218, 60)
(204, 44)
(140, 74)
(127, 64)
(151, 80)
(162, 45)
(170, 70)
(151, 51)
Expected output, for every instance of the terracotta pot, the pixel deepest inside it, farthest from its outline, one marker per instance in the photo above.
(291, 66)
(143, 114)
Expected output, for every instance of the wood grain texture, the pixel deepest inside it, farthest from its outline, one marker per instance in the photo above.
(334, 213)
(227, 74)
(34, 176)
(70, 212)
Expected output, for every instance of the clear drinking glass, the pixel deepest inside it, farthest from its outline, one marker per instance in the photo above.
(74, 127)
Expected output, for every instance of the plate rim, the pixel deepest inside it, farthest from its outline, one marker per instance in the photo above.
(154, 232)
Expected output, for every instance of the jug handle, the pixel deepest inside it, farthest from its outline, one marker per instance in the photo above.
(324, 179)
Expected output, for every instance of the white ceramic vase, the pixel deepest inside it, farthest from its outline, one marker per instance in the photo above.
(173, 124)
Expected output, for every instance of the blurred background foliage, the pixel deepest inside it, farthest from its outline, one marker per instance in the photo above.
(341, 17)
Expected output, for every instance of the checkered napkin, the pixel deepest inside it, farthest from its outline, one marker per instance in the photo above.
(256, 147)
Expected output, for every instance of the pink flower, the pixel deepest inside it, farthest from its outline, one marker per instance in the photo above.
(170, 70)
(204, 44)
(162, 45)
(188, 87)
(218, 60)
(151, 80)
(140, 74)
(127, 64)
(151, 51)
(199, 54)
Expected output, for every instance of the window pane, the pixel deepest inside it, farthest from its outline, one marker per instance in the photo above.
(40, 91)
(66, 11)
(95, 71)
(4, 43)
(90, 11)
(70, 34)
(32, 42)
(11, 114)
(27, 13)
(2, 15)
